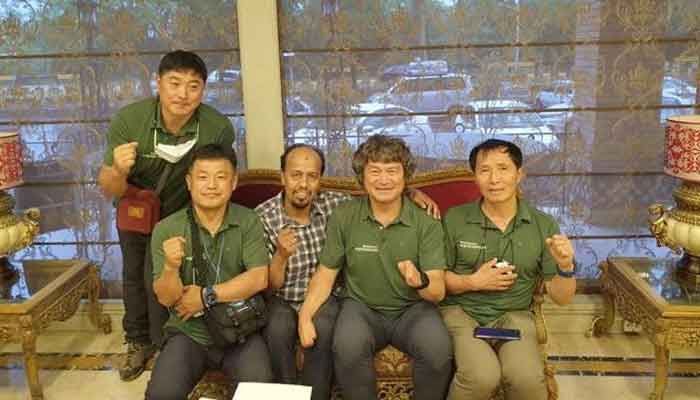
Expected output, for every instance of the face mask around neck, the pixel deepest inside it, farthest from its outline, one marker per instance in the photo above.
(173, 153)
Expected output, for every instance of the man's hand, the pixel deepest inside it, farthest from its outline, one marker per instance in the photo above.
(562, 251)
(410, 273)
(174, 250)
(422, 200)
(307, 332)
(287, 242)
(124, 157)
(489, 277)
(190, 303)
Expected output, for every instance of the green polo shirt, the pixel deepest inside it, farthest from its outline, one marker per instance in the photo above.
(136, 123)
(243, 240)
(472, 239)
(368, 253)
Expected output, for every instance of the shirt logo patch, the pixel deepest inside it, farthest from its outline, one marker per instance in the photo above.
(470, 245)
(368, 248)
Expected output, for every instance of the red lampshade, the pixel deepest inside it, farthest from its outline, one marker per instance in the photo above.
(10, 160)
(682, 158)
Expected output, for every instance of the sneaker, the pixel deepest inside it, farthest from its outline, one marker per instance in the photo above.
(137, 355)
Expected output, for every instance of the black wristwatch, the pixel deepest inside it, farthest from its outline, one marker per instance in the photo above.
(208, 297)
(425, 281)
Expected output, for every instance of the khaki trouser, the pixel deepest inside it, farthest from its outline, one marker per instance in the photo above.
(482, 365)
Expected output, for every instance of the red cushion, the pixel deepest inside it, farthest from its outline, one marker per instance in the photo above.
(447, 194)
(451, 194)
(253, 194)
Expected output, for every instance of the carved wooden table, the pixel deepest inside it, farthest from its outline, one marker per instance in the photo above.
(40, 293)
(644, 291)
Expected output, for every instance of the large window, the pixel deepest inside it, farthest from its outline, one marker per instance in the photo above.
(65, 68)
(583, 87)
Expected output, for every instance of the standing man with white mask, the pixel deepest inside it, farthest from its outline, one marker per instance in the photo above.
(143, 138)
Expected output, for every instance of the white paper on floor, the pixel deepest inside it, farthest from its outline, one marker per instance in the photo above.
(259, 391)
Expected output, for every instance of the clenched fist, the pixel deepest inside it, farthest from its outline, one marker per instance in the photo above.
(174, 250)
(562, 251)
(124, 157)
(287, 242)
(410, 273)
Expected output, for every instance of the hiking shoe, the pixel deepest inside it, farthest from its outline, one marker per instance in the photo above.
(137, 355)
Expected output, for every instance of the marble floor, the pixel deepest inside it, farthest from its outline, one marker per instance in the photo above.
(77, 358)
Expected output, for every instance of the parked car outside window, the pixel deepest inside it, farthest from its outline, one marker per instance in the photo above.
(447, 93)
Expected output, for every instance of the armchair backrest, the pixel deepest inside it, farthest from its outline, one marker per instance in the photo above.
(448, 187)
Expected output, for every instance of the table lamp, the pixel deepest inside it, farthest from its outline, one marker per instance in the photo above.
(16, 232)
(679, 228)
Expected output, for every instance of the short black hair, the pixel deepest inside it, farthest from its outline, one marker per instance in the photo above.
(182, 60)
(283, 158)
(214, 152)
(491, 144)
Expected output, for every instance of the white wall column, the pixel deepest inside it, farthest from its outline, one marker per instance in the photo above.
(262, 82)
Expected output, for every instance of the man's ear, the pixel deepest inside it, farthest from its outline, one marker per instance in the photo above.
(521, 174)
(282, 179)
(188, 181)
(234, 181)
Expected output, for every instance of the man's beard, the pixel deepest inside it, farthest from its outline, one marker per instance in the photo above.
(300, 204)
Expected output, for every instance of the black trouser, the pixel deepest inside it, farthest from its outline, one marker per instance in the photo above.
(282, 338)
(419, 331)
(182, 363)
(144, 317)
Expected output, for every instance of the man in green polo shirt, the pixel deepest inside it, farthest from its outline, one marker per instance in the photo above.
(143, 138)
(498, 249)
(236, 261)
(392, 257)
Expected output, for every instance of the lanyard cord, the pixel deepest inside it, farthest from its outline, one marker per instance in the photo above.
(210, 260)
(500, 256)
(198, 262)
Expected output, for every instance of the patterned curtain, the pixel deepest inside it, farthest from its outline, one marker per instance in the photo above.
(584, 87)
(66, 66)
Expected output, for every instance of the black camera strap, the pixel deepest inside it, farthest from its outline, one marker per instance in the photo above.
(163, 178)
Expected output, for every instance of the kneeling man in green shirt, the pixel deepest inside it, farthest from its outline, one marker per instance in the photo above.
(498, 249)
(392, 257)
(236, 261)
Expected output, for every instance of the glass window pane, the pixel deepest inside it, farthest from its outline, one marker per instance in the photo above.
(584, 88)
(65, 70)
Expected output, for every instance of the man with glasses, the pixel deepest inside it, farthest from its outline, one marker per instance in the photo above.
(143, 138)
(498, 250)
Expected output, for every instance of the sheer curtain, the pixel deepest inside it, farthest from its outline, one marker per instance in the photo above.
(65, 68)
(583, 87)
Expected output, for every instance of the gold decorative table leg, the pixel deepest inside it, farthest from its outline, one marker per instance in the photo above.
(99, 319)
(602, 324)
(31, 365)
(661, 377)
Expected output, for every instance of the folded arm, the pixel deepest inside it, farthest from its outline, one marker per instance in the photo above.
(168, 287)
(243, 286)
